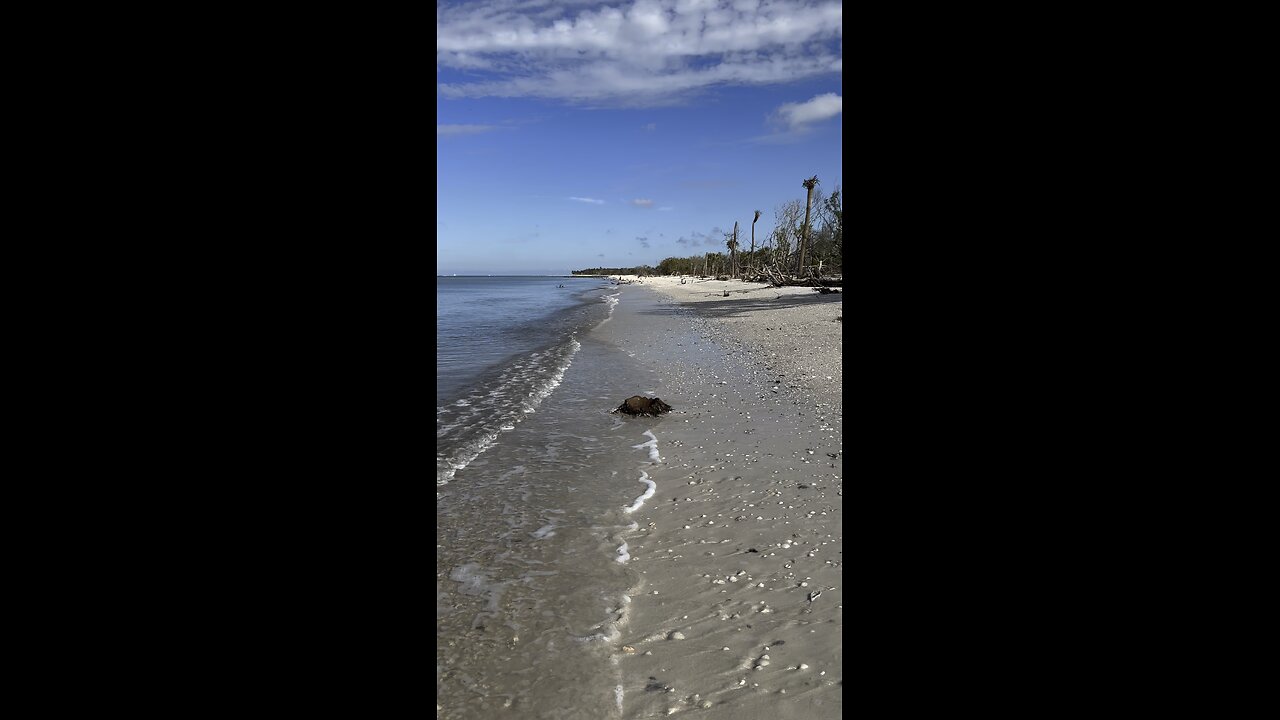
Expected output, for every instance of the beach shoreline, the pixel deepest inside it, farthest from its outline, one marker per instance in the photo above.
(738, 606)
(595, 565)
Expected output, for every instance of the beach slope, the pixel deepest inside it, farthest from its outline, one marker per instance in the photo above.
(738, 550)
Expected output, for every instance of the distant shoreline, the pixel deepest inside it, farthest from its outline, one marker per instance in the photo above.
(519, 276)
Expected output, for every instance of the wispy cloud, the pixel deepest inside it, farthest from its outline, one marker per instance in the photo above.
(645, 52)
(794, 121)
(642, 202)
(798, 115)
(463, 129)
(650, 127)
(588, 200)
(715, 238)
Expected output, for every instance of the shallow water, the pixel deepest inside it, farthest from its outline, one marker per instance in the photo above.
(486, 323)
(532, 573)
(502, 346)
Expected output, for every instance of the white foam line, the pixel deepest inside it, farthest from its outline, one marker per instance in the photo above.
(443, 478)
(555, 379)
(652, 445)
(623, 555)
(613, 301)
(612, 633)
(653, 487)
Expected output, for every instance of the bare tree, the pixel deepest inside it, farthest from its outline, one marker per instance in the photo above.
(732, 244)
(804, 233)
(786, 231)
(818, 248)
(752, 255)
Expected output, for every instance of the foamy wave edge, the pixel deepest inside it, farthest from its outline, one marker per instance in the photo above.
(528, 405)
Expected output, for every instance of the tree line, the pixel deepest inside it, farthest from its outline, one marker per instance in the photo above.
(641, 270)
(807, 240)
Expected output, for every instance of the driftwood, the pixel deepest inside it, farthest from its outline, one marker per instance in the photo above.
(777, 277)
(642, 406)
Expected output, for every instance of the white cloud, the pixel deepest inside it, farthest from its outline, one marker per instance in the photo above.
(463, 129)
(588, 200)
(642, 202)
(646, 52)
(820, 107)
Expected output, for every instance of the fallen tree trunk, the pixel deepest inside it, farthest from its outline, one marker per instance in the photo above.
(777, 277)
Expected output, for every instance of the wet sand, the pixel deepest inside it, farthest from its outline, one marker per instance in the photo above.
(739, 552)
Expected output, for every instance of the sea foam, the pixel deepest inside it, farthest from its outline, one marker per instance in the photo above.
(483, 421)
(613, 302)
(652, 445)
(653, 487)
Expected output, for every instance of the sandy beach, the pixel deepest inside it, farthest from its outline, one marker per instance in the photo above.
(595, 565)
(738, 612)
(592, 564)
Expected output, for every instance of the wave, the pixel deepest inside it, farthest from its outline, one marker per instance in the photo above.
(465, 431)
(612, 300)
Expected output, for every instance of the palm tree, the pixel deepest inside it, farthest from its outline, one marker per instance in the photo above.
(804, 233)
(732, 244)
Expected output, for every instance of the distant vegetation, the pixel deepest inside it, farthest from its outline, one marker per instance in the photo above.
(641, 270)
(807, 242)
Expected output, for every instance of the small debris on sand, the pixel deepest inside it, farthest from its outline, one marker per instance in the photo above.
(642, 406)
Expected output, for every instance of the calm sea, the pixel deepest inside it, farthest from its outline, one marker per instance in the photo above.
(536, 482)
(502, 345)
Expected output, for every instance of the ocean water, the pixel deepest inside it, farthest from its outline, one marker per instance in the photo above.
(502, 345)
(537, 483)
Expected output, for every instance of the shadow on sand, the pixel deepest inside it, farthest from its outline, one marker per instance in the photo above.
(723, 307)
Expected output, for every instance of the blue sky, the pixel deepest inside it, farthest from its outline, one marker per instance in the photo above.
(579, 134)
